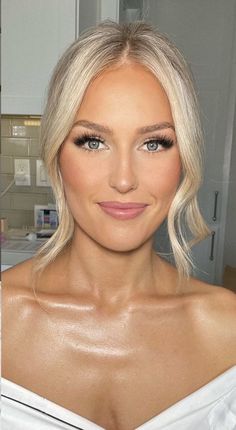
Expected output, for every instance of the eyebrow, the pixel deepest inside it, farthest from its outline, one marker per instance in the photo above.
(141, 130)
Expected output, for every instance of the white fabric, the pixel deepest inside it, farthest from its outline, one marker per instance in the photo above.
(212, 407)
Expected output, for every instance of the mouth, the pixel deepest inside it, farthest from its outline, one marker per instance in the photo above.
(121, 210)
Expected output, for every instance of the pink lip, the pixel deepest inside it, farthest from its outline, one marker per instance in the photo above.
(123, 210)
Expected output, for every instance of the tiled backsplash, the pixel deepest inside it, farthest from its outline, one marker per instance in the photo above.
(17, 205)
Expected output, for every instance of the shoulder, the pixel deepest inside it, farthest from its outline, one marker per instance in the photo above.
(24, 290)
(221, 307)
(213, 312)
(213, 298)
(17, 290)
(17, 321)
(18, 275)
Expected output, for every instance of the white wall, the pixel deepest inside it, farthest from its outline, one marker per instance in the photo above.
(230, 236)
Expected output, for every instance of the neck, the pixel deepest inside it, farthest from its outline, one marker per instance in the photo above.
(110, 276)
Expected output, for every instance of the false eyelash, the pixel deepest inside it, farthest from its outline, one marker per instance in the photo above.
(84, 138)
(164, 141)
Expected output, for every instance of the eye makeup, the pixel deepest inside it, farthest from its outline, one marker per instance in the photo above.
(156, 142)
(159, 141)
(88, 138)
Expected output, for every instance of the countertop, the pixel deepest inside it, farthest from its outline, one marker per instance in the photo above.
(17, 248)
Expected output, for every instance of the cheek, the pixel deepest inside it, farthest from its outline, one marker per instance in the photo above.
(164, 177)
(84, 177)
(77, 176)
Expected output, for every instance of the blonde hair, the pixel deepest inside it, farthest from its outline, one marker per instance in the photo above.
(98, 48)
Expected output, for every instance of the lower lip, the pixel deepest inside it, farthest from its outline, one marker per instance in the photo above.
(123, 214)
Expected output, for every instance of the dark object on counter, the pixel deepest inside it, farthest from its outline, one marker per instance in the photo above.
(45, 233)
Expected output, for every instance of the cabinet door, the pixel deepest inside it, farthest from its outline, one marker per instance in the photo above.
(110, 10)
(91, 12)
(34, 35)
(205, 31)
(205, 256)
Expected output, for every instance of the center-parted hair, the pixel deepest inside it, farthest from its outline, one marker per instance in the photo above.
(106, 45)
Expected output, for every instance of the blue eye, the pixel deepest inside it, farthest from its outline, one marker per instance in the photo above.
(92, 142)
(152, 145)
(159, 144)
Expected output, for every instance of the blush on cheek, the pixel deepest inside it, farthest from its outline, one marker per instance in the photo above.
(173, 170)
(69, 166)
(77, 177)
(174, 175)
(65, 164)
(168, 178)
(68, 174)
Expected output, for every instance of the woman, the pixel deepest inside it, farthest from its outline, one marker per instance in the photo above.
(99, 331)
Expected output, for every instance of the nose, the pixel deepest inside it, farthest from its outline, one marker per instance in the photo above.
(122, 175)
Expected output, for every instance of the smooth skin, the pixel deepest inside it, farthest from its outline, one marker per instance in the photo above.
(114, 337)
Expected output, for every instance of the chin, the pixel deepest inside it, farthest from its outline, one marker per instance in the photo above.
(122, 249)
(121, 238)
(125, 245)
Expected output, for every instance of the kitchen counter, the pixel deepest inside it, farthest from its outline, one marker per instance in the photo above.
(15, 251)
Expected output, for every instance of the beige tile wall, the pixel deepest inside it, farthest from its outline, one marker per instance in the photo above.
(18, 203)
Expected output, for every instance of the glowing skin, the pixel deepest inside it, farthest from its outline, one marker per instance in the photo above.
(122, 169)
(116, 345)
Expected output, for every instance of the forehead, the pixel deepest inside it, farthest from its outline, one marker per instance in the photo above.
(131, 76)
(125, 88)
(124, 71)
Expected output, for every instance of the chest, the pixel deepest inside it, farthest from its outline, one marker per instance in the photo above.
(115, 376)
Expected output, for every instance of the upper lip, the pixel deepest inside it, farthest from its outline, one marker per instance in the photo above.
(120, 205)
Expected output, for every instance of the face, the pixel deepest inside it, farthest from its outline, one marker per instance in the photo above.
(122, 149)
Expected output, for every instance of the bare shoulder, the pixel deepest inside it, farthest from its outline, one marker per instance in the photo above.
(213, 310)
(18, 275)
(16, 289)
(17, 301)
(214, 298)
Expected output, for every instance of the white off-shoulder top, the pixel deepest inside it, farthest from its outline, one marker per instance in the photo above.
(211, 407)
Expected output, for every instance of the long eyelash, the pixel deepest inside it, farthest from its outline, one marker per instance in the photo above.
(86, 137)
(164, 141)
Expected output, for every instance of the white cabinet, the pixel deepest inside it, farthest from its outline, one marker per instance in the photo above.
(34, 34)
(91, 12)
(205, 30)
